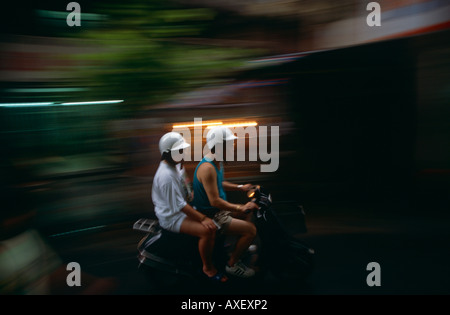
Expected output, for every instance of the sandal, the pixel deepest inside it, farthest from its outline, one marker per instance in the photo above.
(219, 277)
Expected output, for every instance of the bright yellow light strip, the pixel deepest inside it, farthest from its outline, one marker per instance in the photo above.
(234, 125)
(194, 125)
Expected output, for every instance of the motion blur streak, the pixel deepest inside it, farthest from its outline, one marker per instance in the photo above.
(362, 113)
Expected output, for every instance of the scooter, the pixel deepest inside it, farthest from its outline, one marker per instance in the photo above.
(276, 249)
(280, 252)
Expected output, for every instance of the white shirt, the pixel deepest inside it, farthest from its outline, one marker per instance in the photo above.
(168, 197)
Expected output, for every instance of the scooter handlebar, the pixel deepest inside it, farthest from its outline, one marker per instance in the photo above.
(250, 210)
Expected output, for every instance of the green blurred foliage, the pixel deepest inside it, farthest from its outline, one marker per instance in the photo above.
(141, 58)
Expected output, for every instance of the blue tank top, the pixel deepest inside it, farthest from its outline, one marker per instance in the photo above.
(201, 201)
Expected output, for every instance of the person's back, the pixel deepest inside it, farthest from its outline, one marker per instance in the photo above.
(201, 201)
(167, 192)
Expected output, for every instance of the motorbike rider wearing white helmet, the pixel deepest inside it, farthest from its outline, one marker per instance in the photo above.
(210, 198)
(173, 211)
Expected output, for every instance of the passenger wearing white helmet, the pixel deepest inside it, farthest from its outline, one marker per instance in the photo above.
(210, 198)
(173, 211)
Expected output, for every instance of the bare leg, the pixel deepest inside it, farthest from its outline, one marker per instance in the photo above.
(205, 243)
(247, 232)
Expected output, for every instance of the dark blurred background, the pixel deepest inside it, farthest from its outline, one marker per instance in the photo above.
(363, 116)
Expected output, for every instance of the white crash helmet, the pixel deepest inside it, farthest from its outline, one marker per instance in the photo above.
(219, 134)
(172, 141)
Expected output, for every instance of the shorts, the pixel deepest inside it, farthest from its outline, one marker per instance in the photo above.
(174, 223)
(222, 219)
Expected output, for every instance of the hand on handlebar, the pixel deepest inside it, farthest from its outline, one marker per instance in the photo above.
(246, 187)
(249, 206)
